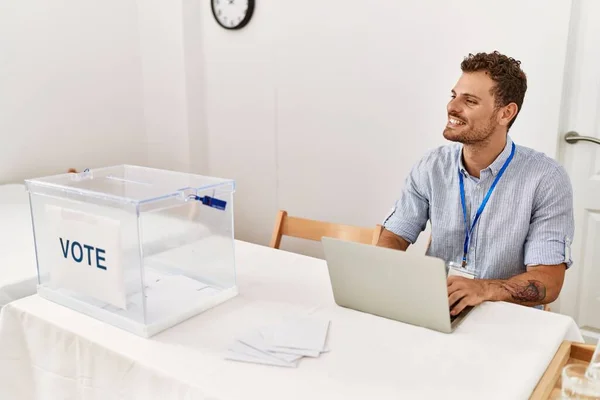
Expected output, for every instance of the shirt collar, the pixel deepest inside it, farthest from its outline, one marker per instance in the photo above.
(494, 166)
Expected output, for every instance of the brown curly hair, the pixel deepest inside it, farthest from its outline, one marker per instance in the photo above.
(506, 72)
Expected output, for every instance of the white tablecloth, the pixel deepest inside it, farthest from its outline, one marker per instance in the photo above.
(499, 352)
(17, 252)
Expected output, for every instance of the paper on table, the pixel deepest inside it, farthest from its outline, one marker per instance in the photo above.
(258, 360)
(308, 333)
(240, 349)
(300, 352)
(287, 342)
(256, 342)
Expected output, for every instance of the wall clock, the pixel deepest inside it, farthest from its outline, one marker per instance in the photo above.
(232, 14)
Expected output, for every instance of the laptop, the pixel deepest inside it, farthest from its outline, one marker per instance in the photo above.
(393, 284)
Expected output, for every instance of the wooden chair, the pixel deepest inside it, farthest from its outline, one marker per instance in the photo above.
(314, 230)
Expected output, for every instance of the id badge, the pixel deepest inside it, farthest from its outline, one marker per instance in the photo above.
(455, 269)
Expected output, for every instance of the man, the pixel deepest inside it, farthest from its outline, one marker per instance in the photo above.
(502, 211)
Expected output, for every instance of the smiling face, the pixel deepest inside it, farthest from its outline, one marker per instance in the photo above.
(472, 111)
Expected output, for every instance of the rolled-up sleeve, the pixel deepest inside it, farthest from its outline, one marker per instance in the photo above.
(552, 223)
(410, 213)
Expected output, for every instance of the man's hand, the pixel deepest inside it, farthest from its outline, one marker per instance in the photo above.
(539, 285)
(463, 292)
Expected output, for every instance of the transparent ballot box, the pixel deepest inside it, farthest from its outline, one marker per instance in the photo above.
(139, 248)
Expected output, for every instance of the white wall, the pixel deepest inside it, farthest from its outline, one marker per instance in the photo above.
(86, 84)
(241, 120)
(316, 107)
(321, 108)
(165, 89)
(70, 86)
(195, 84)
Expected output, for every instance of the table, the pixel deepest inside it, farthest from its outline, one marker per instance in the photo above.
(17, 251)
(499, 352)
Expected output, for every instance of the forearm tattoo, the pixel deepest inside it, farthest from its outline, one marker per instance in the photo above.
(530, 291)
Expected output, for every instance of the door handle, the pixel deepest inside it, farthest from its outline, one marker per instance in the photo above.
(574, 137)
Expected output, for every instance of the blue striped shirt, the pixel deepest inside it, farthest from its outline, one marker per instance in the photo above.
(528, 219)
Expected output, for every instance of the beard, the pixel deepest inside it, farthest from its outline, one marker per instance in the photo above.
(466, 134)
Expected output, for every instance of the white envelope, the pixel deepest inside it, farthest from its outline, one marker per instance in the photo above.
(240, 348)
(308, 333)
(256, 342)
(257, 360)
(283, 344)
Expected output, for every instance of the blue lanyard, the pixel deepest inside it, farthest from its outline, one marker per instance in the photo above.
(469, 233)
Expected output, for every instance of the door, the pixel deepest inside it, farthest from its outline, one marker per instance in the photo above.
(580, 297)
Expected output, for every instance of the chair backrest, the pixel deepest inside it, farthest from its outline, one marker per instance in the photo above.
(315, 230)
